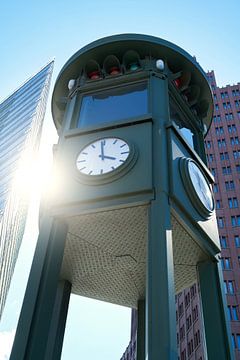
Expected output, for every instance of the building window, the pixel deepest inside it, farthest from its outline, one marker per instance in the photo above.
(213, 171)
(235, 220)
(229, 313)
(237, 103)
(215, 188)
(232, 129)
(219, 130)
(187, 299)
(228, 287)
(238, 341)
(224, 95)
(229, 117)
(223, 242)
(193, 290)
(182, 333)
(234, 313)
(237, 240)
(220, 221)
(238, 167)
(189, 322)
(208, 144)
(216, 107)
(236, 154)
(226, 105)
(229, 185)
(180, 309)
(226, 170)
(183, 355)
(224, 156)
(210, 157)
(221, 143)
(234, 140)
(218, 204)
(225, 263)
(195, 313)
(233, 202)
(235, 92)
(233, 342)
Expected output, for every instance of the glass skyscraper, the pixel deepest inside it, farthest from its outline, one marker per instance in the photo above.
(21, 119)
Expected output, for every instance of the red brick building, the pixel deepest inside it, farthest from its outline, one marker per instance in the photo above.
(222, 146)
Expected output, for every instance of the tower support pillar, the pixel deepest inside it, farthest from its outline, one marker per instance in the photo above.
(45, 295)
(216, 325)
(160, 294)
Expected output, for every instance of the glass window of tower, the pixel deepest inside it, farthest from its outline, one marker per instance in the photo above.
(113, 104)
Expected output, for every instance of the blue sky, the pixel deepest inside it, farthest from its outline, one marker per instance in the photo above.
(32, 33)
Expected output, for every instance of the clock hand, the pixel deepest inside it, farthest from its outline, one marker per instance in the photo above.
(102, 149)
(107, 157)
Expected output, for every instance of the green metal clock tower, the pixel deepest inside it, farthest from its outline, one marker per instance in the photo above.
(133, 220)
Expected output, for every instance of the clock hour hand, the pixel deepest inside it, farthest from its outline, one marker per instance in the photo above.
(102, 156)
(109, 157)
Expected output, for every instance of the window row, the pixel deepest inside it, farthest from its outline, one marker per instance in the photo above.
(227, 105)
(224, 241)
(235, 221)
(231, 129)
(232, 203)
(228, 116)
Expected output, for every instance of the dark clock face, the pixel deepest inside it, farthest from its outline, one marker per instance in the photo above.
(201, 186)
(102, 156)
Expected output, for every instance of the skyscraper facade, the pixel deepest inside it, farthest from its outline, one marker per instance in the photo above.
(21, 119)
(222, 145)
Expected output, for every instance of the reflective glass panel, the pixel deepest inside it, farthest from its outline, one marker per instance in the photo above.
(113, 104)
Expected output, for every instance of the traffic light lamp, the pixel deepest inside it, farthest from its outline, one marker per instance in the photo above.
(131, 61)
(92, 70)
(191, 93)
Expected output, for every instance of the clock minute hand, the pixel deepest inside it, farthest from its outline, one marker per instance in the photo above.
(102, 150)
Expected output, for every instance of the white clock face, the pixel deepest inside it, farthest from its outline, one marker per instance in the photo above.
(201, 186)
(102, 156)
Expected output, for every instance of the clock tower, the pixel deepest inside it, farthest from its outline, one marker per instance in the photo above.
(132, 221)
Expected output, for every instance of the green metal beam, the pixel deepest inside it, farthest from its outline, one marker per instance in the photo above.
(35, 319)
(56, 333)
(217, 329)
(141, 330)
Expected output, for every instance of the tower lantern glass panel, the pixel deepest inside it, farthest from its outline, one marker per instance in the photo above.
(113, 104)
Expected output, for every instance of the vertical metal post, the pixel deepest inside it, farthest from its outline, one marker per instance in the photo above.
(161, 322)
(216, 325)
(141, 330)
(35, 319)
(56, 333)
(161, 339)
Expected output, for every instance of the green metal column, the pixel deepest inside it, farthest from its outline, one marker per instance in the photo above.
(34, 324)
(57, 329)
(141, 330)
(161, 321)
(160, 291)
(217, 328)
